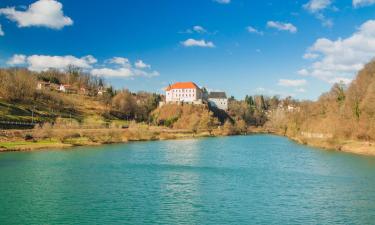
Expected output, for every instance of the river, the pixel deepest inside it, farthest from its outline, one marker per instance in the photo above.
(259, 179)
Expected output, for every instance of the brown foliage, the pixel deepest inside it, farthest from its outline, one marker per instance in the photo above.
(192, 117)
(343, 113)
(17, 85)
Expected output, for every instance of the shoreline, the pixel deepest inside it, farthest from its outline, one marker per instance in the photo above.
(326, 144)
(363, 148)
(21, 145)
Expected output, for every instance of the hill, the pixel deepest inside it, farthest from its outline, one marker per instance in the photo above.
(343, 118)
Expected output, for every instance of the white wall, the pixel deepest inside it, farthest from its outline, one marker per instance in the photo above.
(183, 95)
(221, 103)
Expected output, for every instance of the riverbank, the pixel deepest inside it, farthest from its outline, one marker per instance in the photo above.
(69, 138)
(23, 140)
(326, 142)
(349, 146)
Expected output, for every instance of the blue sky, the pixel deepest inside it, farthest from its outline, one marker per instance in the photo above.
(275, 47)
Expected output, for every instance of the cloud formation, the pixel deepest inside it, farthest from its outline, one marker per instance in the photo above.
(124, 69)
(113, 67)
(222, 1)
(360, 3)
(339, 60)
(251, 29)
(17, 60)
(315, 6)
(282, 26)
(141, 65)
(110, 72)
(1, 31)
(45, 62)
(198, 43)
(43, 13)
(196, 29)
(310, 55)
(119, 61)
(199, 29)
(292, 83)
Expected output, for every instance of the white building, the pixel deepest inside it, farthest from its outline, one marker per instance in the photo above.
(187, 92)
(63, 87)
(218, 100)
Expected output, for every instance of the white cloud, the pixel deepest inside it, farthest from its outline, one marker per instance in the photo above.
(113, 67)
(1, 31)
(310, 55)
(199, 29)
(125, 69)
(301, 90)
(46, 13)
(17, 60)
(141, 65)
(340, 59)
(326, 22)
(198, 43)
(317, 5)
(251, 29)
(282, 26)
(109, 72)
(359, 3)
(341, 80)
(292, 83)
(271, 92)
(222, 1)
(45, 62)
(196, 29)
(120, 61)
(303, 72)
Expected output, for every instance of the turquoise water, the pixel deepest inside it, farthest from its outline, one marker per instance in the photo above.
(234, 180)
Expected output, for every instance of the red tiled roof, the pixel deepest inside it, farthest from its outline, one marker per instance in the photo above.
(182, 85)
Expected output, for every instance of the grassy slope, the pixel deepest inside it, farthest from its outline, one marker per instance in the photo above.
(84, 108)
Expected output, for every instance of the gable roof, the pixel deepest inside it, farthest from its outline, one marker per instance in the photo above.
(182, 85)
(217, 95)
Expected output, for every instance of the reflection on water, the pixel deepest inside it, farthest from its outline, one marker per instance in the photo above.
(233, 180)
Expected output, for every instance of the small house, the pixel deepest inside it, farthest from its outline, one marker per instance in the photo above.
(66, 88)
(218, 100)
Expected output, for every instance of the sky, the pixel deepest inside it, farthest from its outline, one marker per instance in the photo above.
(295, 48)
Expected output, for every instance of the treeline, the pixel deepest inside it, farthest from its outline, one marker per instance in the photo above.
(345, 112)
(255, 110)
(18, 86)
(134, 106)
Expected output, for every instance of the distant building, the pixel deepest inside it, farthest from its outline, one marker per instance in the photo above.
(218, 100)
(43, 85)
(66, 88)
(101, 91)
(63, 88)
(184, 92)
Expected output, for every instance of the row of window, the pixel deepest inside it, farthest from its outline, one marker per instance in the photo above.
(184, 95)
(183, 90)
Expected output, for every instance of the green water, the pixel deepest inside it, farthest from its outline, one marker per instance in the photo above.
(235, 180)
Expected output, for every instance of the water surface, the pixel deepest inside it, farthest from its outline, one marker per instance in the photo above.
(257, 179)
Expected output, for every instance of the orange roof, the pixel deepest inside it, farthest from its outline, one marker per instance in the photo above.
(182, 85)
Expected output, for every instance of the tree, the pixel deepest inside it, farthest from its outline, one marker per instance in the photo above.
(17, 85)
(73, 73)
(228, 128)
(241, 126)
(124, 103)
